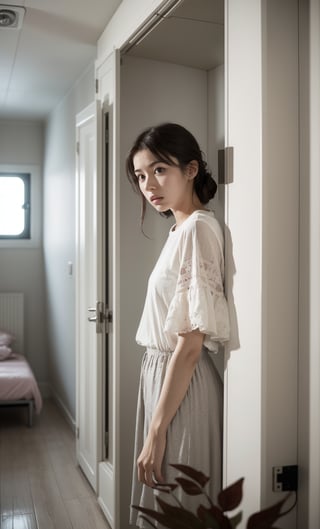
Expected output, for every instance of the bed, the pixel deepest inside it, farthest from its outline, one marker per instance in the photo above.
(18, 386)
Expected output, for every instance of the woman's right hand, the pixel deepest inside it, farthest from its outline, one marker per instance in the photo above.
(149, 462)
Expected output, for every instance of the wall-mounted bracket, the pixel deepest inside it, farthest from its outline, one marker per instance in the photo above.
(225, 165)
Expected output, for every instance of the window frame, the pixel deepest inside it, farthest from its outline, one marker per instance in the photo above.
(26, 178)
(35, 239)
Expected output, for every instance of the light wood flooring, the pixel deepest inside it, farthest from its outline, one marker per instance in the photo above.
(41, 486)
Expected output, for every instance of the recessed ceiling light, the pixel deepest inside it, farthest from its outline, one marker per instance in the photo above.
(11, 17)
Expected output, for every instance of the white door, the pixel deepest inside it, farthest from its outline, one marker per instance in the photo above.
(90, 335)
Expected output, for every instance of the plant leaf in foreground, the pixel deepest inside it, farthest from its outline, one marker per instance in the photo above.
(265, 519)
(230, 497)
(197, 476)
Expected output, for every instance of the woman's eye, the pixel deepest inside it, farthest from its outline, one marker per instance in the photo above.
(140, 177)
(159, 170)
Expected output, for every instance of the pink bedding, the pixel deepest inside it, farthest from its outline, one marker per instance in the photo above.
(17, 381)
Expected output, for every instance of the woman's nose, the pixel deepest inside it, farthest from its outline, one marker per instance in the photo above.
(150, 182)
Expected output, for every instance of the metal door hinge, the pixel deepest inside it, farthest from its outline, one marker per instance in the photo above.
(102, 317)
(108, 319)
(78, 147)
(97, 86)
(225, 165)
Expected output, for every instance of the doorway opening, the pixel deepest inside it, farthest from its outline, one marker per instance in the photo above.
(175, 73)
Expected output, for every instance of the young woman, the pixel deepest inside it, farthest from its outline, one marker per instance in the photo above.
(179, 413)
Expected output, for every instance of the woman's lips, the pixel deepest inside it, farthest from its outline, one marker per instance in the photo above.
(156, 199)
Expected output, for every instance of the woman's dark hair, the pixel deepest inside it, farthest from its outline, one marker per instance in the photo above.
(168, 141)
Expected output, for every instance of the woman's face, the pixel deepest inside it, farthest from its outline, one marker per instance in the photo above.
(164, 186)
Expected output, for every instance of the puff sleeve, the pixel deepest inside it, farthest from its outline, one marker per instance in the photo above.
(199, 301)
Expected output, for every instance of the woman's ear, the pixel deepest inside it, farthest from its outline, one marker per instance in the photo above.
(192, 169)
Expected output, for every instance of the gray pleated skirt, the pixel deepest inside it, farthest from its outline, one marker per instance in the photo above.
(194, 436)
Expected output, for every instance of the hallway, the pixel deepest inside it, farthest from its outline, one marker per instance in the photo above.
(41, 486)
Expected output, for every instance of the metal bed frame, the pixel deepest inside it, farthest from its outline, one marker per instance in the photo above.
(21, 402)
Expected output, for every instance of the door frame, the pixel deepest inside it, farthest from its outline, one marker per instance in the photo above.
(108, 77)
(309, 331)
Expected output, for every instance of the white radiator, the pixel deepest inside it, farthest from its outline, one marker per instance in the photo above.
(11, 317)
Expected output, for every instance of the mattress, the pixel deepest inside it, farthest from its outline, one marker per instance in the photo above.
(17, 381)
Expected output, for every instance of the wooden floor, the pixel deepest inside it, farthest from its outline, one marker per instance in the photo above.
(41, 486)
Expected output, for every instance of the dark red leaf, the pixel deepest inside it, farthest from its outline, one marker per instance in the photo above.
(265, 519)
(230, 497)
(190, 487)
(213, 517)
(198, 476)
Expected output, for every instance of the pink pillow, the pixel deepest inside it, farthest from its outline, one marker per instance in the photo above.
(6, 338)
(5, 352)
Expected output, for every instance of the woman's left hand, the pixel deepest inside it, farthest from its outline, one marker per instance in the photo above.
(150, 459)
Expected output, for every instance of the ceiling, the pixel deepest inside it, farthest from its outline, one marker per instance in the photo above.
(191, 35)
(40, 62)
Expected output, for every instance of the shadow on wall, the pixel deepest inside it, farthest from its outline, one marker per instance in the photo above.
(234, 342)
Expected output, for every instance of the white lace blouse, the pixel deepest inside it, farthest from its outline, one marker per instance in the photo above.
(185, 289)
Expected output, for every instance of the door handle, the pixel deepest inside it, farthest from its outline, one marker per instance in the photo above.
(92, 318)
(98, 318)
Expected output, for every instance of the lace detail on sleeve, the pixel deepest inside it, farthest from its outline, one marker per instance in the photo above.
(199, 303)
(208, 276)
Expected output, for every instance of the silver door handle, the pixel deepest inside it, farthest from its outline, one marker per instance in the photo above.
(92, 318)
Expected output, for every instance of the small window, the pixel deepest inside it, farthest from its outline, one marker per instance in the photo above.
(15, 205)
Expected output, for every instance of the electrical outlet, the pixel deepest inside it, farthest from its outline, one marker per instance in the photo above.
(285, 478)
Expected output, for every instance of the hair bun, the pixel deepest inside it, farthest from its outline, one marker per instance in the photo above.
(204, 185)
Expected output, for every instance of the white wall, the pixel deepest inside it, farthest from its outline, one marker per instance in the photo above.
(216, 139)
(21, 141)
(22, 269)
(59, 237)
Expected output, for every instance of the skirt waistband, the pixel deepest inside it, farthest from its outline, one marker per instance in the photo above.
(154, 351)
